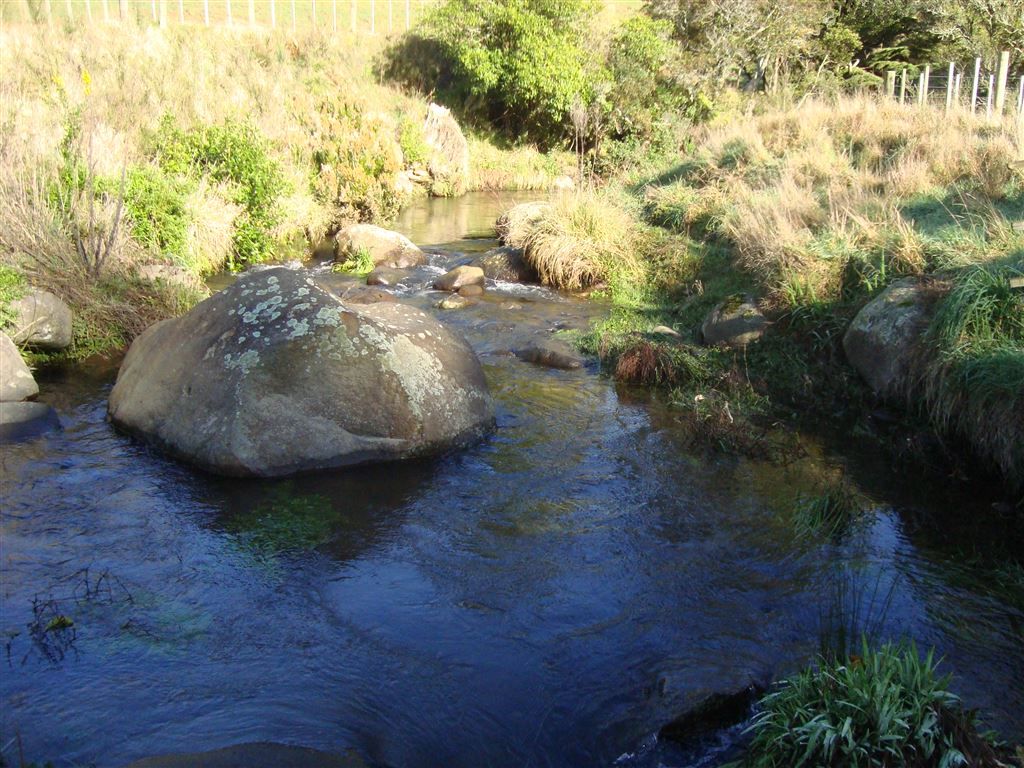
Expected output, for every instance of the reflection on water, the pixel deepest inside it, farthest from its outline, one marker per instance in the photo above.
(548, 597)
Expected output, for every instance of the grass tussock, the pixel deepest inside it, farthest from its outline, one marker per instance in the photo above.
(578, 241)
(520, 169)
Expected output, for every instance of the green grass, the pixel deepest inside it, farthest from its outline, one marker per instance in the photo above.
(12, 288)
(832, 513)
(360, 263)
(883, 708)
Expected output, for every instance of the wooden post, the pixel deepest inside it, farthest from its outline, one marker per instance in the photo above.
(974, 90)
(890, 84)
(391, 16)
(353, 19)
(959, 82)
(71, 11)
(122, 10)
(991, 88)
(334, 16)
(273, 14)
(206, 12)
(152, 6)
(373, 17)
(1020, 97)
(408, 16)
(106, 12)
(314, 14)
(88, 10)
(920, 89)
(927, 79)
(903, 87)
(293, 17)
(949, 86)
(181, 11)
(231, 18)
(1004, 72)
(252, 13)
(163, 14)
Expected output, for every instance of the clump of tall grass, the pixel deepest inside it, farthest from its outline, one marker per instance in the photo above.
(974, 382)
(579, 241)
(888, 708)
(832, 513)
(522, 168)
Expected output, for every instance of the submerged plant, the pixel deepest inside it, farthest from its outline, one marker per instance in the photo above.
(832, 513)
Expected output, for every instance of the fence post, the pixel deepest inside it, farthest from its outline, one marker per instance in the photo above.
(1020, 96)
(1004, 72)
(949, 86)
(106, 13)
(920, 89)
(231, 18)
(88, 10)
(206, 12)
(408, 16)
(181, 11)
(927, 82)
(903, 86)
(391, 16)
(353, 17)
(959, 82)
(163, 14)
(314, 15)
(152, 8)
(122, 9)
(890, 84)
(273, 14)
(71, 11)
(334, 16)
(974, 90)
(252, 13)
(373, 17)
(991, 88)
(293, 17)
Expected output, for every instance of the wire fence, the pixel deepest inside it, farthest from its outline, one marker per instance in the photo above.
(357, 16)
(973, 86)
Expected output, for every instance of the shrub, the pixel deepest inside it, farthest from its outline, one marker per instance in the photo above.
(518, 63)
(12, 288)
(234, 153)
(361, 263)
(885, 708)
(155, 207)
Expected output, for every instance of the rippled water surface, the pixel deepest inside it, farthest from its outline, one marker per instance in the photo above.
(549, 597)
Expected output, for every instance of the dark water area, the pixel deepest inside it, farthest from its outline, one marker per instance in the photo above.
(549, 597)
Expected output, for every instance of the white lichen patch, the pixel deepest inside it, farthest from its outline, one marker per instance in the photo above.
(243, 362)
(420, 374)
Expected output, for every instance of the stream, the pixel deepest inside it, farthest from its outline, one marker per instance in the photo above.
(549, 597)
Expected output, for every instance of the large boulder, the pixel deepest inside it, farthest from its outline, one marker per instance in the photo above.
(449, 151)
(735, 322)
(512, 226)
(386, 248)
(41, 320)
(506, 264)
(16, 380)
(276, 375)
(881, 341)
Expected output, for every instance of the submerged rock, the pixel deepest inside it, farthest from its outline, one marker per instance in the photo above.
(276, 375)
(550, 354)
(41, 320)
(459, 278)
(386, 248)
(712, 712)
(254, 755)
(882, 338)
(386, 276)
(455, 301)
(24, 421)
(506, 264)
(735, 322)
(471, 290)
(16, 380)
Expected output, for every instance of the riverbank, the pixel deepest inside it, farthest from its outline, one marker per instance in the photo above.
(136, 162)
(786, 223)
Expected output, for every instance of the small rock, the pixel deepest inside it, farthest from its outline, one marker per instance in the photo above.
(365, 295)
(41, 320)
(387, 248)
(712, 712)
(16, 380)
(508, 265)
(24, 421)
(386, 276)
(455, 301)
(471, 290)
(550, 354)
(735, 322)
(459, 277)
(664, 330)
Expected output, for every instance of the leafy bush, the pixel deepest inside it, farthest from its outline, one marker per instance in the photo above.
(154, 205)
(885, 707)
(12, 288)
(360, 263)
(518, 63)
(234, 153)
(355, 161)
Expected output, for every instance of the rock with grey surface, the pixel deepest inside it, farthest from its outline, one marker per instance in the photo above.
(386, 248)
(16, 380)
(276, 375)
(41, 320)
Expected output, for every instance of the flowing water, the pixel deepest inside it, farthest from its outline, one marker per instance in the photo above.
(550, 596)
